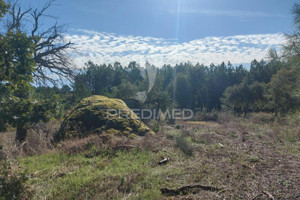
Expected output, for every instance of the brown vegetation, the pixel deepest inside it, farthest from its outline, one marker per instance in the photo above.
(253, 158)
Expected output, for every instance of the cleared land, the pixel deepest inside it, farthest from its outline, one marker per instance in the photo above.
(233, 158)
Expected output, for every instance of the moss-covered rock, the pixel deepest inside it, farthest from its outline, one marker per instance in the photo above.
(98, 115)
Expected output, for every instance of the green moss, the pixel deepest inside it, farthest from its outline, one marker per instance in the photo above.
(98, 114)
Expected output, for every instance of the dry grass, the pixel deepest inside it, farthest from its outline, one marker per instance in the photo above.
(38, 141)
(248, 157)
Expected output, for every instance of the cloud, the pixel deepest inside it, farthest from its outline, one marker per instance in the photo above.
(101, 47)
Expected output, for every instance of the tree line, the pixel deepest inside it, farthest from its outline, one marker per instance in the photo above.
(267, 86)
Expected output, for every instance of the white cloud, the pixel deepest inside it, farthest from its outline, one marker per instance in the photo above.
(102, 47)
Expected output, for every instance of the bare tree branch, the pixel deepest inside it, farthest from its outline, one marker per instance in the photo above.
(51, 53)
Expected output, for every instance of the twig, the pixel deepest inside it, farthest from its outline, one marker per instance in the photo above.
(164, 161)
(187, 189)
(268, 194)
(126, 146)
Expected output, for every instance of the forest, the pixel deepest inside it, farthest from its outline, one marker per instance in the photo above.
(244, 116)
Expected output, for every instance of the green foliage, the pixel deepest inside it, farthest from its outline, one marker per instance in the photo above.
(184, 145)
(204, 115)
(157, 127)
(16, 74)
(244, 97)
(59, 99)
(262, 72)
(3, 8)
(18, 105)
(126, 90)
(292, 46)
(159, 96)
(183, 93)
(12, 181)
(78, 177)
(16, 59)
(80, 88)
(185, 85)
(282, 90)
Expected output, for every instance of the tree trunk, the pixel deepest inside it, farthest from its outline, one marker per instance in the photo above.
(245, 114)
(246, 111)
(21, 134)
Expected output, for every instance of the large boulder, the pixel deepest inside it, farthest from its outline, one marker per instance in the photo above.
(101, 115)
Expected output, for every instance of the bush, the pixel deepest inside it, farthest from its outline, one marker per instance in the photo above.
(12, 182)
(38, 141)
(263, 118)
(203, 115)
(226, 116)
(184, 145)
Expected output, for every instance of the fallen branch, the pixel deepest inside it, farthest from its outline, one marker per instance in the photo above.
(123, 147)
(187, 189)
(164, 161)
(269, 195)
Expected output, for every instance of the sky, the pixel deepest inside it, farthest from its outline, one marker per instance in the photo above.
(172, 31)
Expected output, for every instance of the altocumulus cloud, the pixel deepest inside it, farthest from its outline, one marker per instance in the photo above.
(101, 47)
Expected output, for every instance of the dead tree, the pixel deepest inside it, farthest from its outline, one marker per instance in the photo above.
(51, 51)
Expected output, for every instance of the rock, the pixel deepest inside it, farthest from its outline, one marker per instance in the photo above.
(99, 115)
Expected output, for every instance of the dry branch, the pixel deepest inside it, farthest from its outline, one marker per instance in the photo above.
(268, 194)
(164, 161)
(187, 189)
(51, 52)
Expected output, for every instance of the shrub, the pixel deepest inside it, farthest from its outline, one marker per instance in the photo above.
(12, 181)
(38, 141)
(178, 126)
(226, 116)
(184, 145)
(263, 118)
(203, 115)
(156, 127)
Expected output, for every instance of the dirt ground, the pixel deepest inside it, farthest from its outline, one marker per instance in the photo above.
(247, 159)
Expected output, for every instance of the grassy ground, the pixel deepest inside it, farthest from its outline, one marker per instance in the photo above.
(253, 158)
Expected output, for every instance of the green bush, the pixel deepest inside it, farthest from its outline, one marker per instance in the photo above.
(11, 182)
(204, 115)
(184, 145)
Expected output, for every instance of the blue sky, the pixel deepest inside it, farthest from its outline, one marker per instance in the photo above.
(171, 31)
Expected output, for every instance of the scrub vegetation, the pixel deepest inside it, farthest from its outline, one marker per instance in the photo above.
(242, 142)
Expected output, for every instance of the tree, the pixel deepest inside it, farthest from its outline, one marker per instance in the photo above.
(291, 57)
(282, 91)
(292, 47)
(80, 88)
(3, 8)
(125, 91)
(262, 71)
(51, 52)
(243, 97)
(19, 106)
(183, 91)
(158, 98)
(199, 91)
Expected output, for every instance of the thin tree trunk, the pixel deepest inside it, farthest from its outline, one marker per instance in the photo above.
(21, 134)
(246, 111)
